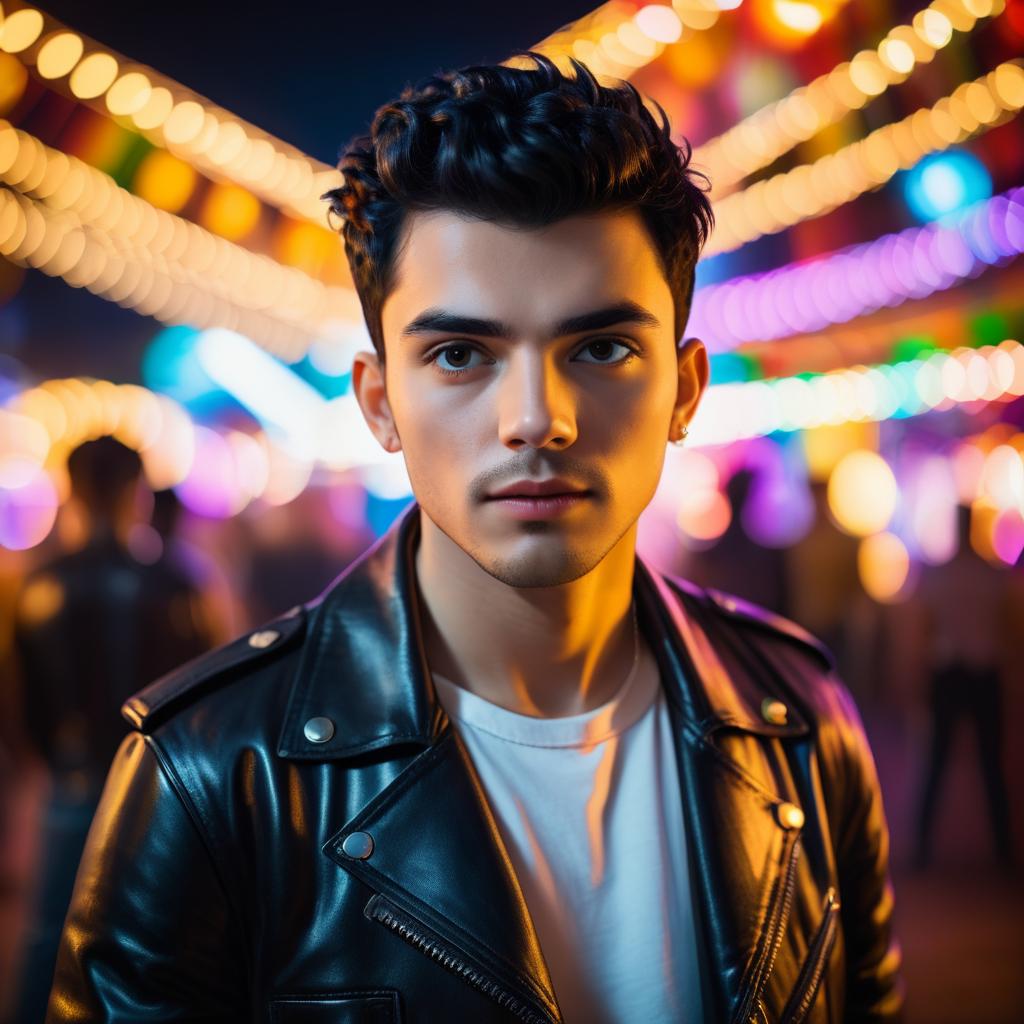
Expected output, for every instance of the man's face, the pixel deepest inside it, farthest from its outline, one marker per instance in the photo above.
(517, 357)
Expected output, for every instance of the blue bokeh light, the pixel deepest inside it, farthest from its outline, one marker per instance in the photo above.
(946, 183)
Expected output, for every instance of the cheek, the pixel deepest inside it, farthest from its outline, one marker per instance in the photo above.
(437, 432)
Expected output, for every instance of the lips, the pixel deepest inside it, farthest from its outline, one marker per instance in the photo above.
(556, 487)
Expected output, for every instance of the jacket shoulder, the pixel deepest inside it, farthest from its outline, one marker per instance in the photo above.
(161, 699)
(749, 615)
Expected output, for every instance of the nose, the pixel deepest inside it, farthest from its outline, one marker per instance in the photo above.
(536, 405)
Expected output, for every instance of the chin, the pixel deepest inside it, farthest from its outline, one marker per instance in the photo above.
(550, 564)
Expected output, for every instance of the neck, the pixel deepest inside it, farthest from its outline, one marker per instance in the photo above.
(541, 651)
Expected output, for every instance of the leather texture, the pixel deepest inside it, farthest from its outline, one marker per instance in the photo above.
(215, 885)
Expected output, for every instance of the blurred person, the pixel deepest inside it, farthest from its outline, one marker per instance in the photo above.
(735, 563)
(502, 770)
(967, 607)
(188, 570)
(91, 627)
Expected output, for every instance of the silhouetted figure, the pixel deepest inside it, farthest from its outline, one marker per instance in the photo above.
(965, 604)
(91, 628)
(738, 565)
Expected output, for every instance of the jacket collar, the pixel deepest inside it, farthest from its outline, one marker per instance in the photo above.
(363, 665)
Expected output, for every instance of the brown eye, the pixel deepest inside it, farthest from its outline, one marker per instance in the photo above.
(457, 355)
(605, 350)
(454, 358)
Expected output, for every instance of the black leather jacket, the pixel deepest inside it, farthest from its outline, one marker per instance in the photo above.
(217, 883)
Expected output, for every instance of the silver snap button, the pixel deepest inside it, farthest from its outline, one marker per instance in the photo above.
(264, 638)
(774, 712)
(789, 815)
(319, 730)
(357, 845)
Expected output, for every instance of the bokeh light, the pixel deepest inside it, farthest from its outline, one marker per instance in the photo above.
(884, 566)
(28, 504)
(862, 493)
(946, 183)
(164, 180)
(230, 211)
(59, 54)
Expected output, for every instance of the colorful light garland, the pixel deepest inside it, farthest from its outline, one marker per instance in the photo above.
(212, 139)
(773, 131)
(811, 190)
(943, 380)
(73, 221)
(837, 287)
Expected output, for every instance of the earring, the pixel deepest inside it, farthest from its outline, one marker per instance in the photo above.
(681, 439)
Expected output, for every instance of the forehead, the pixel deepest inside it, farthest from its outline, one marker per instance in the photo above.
(526, 277)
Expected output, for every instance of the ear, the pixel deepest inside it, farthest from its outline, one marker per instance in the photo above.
(370, 388)
(694, 372)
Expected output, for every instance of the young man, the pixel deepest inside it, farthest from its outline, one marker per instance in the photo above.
(501, 770)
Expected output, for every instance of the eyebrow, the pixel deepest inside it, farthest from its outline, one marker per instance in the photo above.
(440, 320)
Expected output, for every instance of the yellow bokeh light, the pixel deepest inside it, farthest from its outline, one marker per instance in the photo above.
(897, 55)
(980, 103)
(230, 211)
(13, 80)
(868, 74)
(636, 41)
(306, 246)
(156, 110)
(20, 30)
(59, 54)
(93, 76)
(697, 14)
(933, 27)
(164, 180)
(693, 63)
(1007, 84)
(129, 94)
(883, 564)
(228, 145)
(979, 8)
(862, 493)
(659, 23)
(802, 18)
(186, 121)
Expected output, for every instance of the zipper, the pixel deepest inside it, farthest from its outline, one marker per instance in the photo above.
(806, 988)
(427, 941)
(775, 926)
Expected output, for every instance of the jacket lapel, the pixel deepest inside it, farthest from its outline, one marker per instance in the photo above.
(445, 875)
(742, 856)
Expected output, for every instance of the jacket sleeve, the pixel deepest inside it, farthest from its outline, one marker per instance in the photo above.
(874, 984)
(149, 934)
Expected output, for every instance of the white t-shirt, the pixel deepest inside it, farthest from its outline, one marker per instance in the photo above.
(590, 809)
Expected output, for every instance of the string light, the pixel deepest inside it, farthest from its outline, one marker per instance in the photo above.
(75, 222)
(758, 140)
(172, 117)
(943, 380)
(811, 190)
(617, 39)
(835, 288)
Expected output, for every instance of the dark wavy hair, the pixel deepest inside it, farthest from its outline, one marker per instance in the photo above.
(518, 146)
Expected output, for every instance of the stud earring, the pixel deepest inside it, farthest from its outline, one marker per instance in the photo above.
(681, 439)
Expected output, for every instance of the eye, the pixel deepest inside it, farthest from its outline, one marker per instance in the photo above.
(605, 350)
(456, 359)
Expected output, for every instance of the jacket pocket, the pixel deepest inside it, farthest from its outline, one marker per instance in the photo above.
(809, 981)
(377, 1007)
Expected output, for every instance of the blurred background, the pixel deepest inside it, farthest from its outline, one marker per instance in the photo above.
(181, 457)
